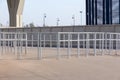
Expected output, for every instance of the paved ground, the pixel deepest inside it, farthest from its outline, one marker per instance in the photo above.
(83, 68)
(91, 68)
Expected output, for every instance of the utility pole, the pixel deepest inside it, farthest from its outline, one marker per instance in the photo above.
(73, 18)
(81, 17)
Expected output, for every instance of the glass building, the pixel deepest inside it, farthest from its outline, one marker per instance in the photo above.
(102, 12)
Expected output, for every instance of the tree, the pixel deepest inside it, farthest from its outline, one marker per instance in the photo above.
(31, 25)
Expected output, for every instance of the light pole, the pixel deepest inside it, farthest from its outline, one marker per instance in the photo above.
(57, 21)
(44, 17)
(81, 17)
(73, 18)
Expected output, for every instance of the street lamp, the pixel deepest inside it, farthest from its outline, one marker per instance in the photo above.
(57, 21)
(44, 17)
(73, 18)
(81, 17)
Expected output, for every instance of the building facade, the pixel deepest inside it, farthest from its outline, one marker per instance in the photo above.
(102, 12)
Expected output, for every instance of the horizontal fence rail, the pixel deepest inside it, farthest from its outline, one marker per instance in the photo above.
(58, 44)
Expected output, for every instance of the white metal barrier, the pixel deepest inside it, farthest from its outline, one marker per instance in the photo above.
(12, 42)
(88, 43)
(104, 42)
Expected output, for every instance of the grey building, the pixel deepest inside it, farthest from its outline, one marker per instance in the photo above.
(102, 12)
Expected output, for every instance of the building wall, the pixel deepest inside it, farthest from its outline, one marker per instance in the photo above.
(89, 28)
(102, 12)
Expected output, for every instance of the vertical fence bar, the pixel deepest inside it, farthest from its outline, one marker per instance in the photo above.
(116, 44)
(94, 44)
(118, 41)
(5, 42)
(2, 42)
(71, 42)
(20, 47)
(103, 39)
(3, 50)
(40, 36)
(50, 40)
(11, 42)
(106, 41)
(44, 41)
(87, 44)
(39, 48)
(21, 42)
(26, 43)
(8, 40)
(64, 41)
(58, 45)
(32, 40)
(83, 41)
(78, 45)
(69, 46)
(100, 42)
(110, 43)
(14, 43)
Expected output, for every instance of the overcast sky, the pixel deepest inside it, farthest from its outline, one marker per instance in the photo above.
(34, 10)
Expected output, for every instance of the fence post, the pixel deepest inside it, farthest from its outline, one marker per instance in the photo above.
(18, 51)
(5, 43)
(2, 42)
(112, 41)
(32, 39)
(106, 39)
(69, 46)
(50, 40)
(103, 39)
(26, 44)
(110, 44)
(78, 43)
(83, 41)
(39, 47)
(8, 39)
(94, 44)
(87, 44)
(116, 43)
(58, 45)
(44, 41)
(13, 42)
(64, 45)
(21, 43)
(100, 42)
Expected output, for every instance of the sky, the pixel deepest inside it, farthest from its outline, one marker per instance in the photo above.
(35, 9)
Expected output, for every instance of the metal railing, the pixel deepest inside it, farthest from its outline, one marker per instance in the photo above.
(87, 43)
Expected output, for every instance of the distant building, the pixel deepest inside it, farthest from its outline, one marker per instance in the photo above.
(102, 12)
